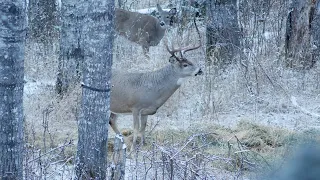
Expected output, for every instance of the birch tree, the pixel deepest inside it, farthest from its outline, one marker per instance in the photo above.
(315, 28)
(71, 41)
(95, 44)
(42, 20)
(12, 36)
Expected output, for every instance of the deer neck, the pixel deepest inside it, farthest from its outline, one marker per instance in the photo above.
(163, 81)
(161, 30)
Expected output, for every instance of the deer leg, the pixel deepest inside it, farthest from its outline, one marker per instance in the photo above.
(136, 125)
(143, 128)
(112, 122)
(146, 51)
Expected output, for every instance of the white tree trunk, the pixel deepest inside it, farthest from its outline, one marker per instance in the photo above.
(12, 36)
(42, 20)
(315, 29)
(71, 45)
(96, 42)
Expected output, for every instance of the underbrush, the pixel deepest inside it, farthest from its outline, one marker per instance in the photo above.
(211, 151)
(201, 151)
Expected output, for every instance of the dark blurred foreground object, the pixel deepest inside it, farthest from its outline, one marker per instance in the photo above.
(305, 165)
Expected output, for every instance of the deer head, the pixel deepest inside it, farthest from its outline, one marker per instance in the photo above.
(187, 67)
(167, 18)
(143, 29)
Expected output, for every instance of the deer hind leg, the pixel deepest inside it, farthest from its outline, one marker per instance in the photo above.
(113, 124)
(136, 125)
(143, 128)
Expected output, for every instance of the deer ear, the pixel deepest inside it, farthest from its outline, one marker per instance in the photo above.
(173, 11)
(159, 8)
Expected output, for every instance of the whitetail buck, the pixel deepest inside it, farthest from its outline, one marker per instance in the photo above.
(142, 94)
(143, 29)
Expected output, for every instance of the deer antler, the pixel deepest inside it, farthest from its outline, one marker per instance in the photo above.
(184, 49)
(173, 51)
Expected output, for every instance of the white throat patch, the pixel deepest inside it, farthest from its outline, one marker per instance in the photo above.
(180, 81)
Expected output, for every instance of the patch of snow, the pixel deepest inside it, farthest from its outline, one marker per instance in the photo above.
(35, 87)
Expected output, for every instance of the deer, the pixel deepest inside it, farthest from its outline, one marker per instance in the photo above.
(143, 29)
(142, 94)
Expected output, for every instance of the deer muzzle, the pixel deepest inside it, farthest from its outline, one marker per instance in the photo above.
(162, 23)
(199, 72)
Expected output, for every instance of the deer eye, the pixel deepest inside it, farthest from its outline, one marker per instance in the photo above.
(185, 65)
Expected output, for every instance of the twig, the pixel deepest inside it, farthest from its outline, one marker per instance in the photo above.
(242, 151)
(157, 123)
(199, 147)
(65, 162)
(302, 109)
(62, 146)
(292, 98)
(190, 139)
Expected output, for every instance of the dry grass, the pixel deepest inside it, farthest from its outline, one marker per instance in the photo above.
(248, 149)
(214, 104)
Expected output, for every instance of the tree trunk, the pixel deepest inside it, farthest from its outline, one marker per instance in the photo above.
(315, 28)
(42, 20)
(96, 43)
(298, 46)
(118, 158)
(222, 32)
(71, 45)
(12, 36)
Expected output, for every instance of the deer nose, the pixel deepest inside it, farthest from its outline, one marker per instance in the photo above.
(199, 72)
(162, 23)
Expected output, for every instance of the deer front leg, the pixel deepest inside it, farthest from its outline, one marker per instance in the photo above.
(113, 124)
(136, 125)
(143, 128)
(145, 49)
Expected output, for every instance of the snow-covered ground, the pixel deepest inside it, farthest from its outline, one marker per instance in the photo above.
(291, 101)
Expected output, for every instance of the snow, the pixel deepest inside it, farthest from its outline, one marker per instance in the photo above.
(217, 97)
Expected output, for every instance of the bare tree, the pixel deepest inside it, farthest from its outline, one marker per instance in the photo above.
(71, 53)
(96, 42)
(12, 36)
(42, 20)
(315, 26)
(298, 45)
(222, 31)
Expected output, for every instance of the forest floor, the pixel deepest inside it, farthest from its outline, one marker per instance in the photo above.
(271, 131)
(235, 121)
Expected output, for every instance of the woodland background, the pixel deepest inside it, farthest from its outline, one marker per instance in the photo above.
(258, 100)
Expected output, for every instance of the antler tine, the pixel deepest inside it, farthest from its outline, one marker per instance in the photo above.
(173, 50)
(166, 45)
(186, 49)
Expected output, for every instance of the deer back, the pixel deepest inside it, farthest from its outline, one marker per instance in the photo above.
(142, 90)
(143, 29)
